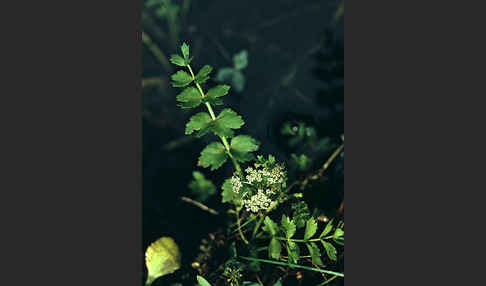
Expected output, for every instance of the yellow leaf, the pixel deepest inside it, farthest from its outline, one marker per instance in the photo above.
(161, 258)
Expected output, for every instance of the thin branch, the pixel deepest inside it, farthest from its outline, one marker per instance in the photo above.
(199, 205)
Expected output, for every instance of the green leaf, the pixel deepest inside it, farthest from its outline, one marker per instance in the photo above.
(214, 156)
(227, 193)
(161, 258)
(185, 51)
(338, 233)
(189, 98)
(240, 60)
(301, 162)
(270, 226)
(238, 81)
(181, 79)
(279, 283)
(327, 229)
(224, 74)
(274, 248)
(315, 253)
(202, 282)
(293, 251)
(199, 121)
(339, 241)
(203, 75)
(225, 122)
(214, 94)
(288, 226)
(177, 60)
(310, 228)
(241, 146)
(330, 250)
(201, 187)
(300, 213)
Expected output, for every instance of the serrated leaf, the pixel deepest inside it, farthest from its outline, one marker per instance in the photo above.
(201, 187)
(198, 122)
(161, 258)
(214, 94)
(189, 98)
(310, 228)
(177, 60)
(181, 79)
(240, 60)
(202, 282)
(315, 253)
(293, 251)
(288, 226)
(242, 146)
(330, 250)
(270, 226)
(274, 248)
(227, 193)
(225, 122)
(327, 229)
(338, 233)
(203, 74)
(185, 50)
(214, 156)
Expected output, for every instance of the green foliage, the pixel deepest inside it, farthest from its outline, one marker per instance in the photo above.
(300, 213)
(315, 253)
(227, 194)
(327, 229)
(198, 122)
(189, 98)
(201, 187)
(270, 226)
(301, 163)
(310, 228)
(330, 250)
(242, 146)
(203, 75)
(181, 79)
(257, 188)
(274, 248)
(214, 156)
(234, 74)
(288, 226)
(202, 282)
(214, 94)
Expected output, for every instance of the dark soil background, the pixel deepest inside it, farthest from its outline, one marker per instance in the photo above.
(295, 73)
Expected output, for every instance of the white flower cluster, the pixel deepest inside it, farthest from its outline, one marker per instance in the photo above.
(236, 183)
(258, 202)
(261, 178)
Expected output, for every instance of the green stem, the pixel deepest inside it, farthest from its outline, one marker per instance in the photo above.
(239, 226)
(259, 223)
(300, 240)
(293, 265)
(156, 51)
(328, 280)
(213, 117)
